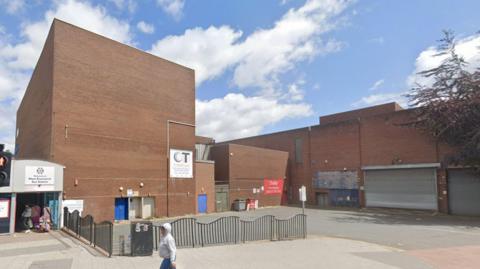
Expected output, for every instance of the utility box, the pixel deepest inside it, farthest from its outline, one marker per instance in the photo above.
(142, 238)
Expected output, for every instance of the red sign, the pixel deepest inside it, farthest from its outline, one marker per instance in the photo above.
(273, 186)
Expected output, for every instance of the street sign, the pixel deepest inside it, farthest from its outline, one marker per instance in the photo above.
(129, 193)
(303, 194)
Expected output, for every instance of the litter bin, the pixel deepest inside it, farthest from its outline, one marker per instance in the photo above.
(239, 205)
(142, 238)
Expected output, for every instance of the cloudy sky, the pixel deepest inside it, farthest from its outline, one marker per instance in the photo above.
(261, 66)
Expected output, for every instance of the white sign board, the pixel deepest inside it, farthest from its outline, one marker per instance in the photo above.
(129, 193)
(302, 193)
(4, 208)
(73, 205)
(181, 163)
(39, 175)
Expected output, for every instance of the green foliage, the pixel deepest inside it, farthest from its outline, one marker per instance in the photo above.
(449, 104)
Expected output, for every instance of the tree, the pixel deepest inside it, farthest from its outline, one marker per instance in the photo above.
(448, 105)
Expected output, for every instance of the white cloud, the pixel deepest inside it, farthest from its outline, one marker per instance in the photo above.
(13, 6)
(145, 27)
(172, 7)
(262, 56)
(377, 84)
(24, 55)
(18, 59)
(209, 51)
(257, 62)
(382, 98)
(236, 115)
(294, 92)
(130, 5)
(468, 48)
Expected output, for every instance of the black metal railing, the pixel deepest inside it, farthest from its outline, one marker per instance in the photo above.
(224, 230)
(262, 228)
(294, 227)
(96, 234)
(85, 228)
(183, 230)
(103, 235)
(188, 232)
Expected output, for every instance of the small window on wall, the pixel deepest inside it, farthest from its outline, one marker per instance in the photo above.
(298, 150)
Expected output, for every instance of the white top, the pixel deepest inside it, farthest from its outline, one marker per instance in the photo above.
(167, 247)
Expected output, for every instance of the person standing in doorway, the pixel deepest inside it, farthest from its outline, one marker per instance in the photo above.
(167, 248)
(27, 218)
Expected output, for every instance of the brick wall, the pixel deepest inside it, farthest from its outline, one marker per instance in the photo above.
(111, 103)
(285, 141)
(34, 115)
(205, 183)
(348, 141)
(247, 168)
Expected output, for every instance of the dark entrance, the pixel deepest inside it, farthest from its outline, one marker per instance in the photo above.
(37, 200)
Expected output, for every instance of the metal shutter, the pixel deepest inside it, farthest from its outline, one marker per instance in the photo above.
(464, 192)
(401, 188)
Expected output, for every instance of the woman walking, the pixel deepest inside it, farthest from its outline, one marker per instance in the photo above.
(167, 248)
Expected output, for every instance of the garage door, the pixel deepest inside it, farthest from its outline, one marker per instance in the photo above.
(401, 188)
(464, 192)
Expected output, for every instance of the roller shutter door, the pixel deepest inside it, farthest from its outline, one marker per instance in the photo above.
(464, 192)
(401, 188)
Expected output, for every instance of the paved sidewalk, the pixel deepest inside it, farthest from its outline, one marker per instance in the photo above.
(337, 239)
(59, 251)
(320, 252)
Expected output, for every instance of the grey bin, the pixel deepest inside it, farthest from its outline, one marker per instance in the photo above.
(239, 205)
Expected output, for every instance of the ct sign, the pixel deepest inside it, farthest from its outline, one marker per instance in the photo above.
(181, 163)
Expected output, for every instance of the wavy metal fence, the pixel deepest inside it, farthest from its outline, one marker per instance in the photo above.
(189, 233)
(96, 234)
(262, 228)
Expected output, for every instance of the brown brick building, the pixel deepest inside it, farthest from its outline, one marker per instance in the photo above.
(368, 157)
(243, 171)
(109, 113)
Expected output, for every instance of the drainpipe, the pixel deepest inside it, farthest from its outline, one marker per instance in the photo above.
(361, 175)
(168, 154)
(310, 183)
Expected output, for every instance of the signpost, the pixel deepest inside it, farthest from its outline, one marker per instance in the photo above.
(302, 194)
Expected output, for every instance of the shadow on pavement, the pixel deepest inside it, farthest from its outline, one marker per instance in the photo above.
(402, 217)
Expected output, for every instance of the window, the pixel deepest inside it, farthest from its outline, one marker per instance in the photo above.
(298, 150)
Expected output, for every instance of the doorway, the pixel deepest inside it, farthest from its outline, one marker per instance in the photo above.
(322, 199)
(121, 208)
(135, 208)
(202, 203)
(37, 201)
(221, 201)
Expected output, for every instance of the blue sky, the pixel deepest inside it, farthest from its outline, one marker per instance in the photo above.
(261, 66)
